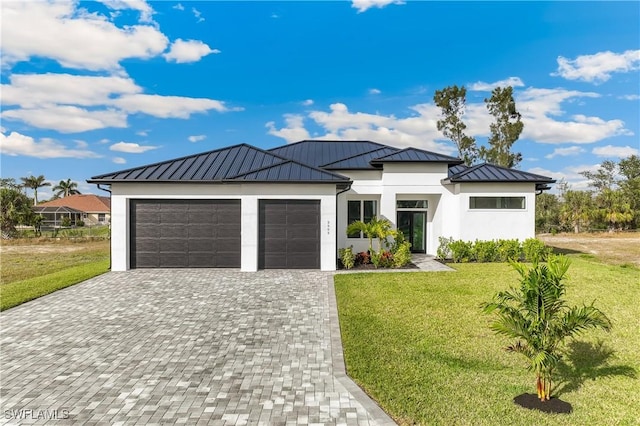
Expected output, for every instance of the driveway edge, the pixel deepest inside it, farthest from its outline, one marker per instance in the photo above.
(339, 370)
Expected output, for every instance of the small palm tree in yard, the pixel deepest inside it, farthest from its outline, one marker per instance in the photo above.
(539, 319)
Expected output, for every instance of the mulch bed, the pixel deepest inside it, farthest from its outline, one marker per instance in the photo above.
(553, 405)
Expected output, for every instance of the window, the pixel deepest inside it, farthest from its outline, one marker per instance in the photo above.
(101, 217)
(412, 204)
(363, 210)
(513, 203)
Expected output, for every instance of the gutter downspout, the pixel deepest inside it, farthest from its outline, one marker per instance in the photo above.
(341, 192)
(110, 243)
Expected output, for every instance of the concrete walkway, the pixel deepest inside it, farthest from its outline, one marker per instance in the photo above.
(181, 347)
(427, 262)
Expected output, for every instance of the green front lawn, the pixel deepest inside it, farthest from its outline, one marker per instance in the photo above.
(419, 344)
(18, 292)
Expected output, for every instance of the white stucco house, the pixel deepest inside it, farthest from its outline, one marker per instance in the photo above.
(288, 207)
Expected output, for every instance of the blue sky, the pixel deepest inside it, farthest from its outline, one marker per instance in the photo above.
(90, 88)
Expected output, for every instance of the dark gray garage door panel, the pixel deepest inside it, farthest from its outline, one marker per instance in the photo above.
(289, 234)
(185, 233)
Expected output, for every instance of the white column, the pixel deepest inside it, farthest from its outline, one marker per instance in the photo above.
(328, 250)
(388, 205)
(119, 233)
(249, 234)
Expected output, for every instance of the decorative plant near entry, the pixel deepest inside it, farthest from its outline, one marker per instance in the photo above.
(347, 257)
(380, 229)
(537, 316)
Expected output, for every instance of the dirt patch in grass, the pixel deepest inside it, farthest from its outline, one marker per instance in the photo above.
(614, 248)
(21, 260)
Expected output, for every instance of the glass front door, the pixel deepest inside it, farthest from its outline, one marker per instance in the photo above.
(413, 226)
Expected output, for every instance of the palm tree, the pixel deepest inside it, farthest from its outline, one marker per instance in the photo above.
(34, 183)
(539, 319)
(375, 228)
(66, 188)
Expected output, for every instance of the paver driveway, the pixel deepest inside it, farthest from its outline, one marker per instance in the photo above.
(180, 346)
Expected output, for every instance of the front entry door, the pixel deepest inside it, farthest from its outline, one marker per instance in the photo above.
(412, 225)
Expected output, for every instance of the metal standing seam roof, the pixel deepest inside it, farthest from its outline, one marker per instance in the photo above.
(317, 153)
(236, 163)
(491, 173)
(360, 161)
(416, 155)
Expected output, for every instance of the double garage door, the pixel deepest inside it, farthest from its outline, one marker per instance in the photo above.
(207, 234)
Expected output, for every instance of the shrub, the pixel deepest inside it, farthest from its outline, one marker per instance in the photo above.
(534, 250)
(363, 258)
(382, 259)
(347, 257)
(461, 251)
(444, 251)
(66, 221)
(402, 255)
(509, 250)
(80, 223)
(486, 251)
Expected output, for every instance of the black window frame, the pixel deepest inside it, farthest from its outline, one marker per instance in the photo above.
(367, 210)
(498, 203)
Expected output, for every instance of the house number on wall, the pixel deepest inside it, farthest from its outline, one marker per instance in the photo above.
(328, 228)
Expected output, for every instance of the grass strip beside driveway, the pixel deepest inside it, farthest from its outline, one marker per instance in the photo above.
(419, 344)
(18, 292)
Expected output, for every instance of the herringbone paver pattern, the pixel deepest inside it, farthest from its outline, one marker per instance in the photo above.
(180, 347)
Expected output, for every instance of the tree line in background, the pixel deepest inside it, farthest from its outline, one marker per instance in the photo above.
(15, 205)
(612, 202)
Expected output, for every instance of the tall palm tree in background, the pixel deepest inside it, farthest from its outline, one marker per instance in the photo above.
(34, 183)
(537, 316)
(65, 188)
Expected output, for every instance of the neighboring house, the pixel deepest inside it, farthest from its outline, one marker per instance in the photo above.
(288, 207)
(91, 209)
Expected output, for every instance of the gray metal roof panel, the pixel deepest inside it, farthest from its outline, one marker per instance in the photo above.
(360, 161)
(416, 155)
(491, 173)
(291, 171)
(318, 152)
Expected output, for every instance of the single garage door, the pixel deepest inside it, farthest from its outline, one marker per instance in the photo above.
(185, 233)
(289, 234)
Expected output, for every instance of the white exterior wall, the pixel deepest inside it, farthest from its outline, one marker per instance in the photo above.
(448, 214)
(249, 194)
(494, 224)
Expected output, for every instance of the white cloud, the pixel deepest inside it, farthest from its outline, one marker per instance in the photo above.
(167, 106)
(565, 152)
(540, 107)
(611, 151)
(294, 130)
(47, 29)
(481, 86)
(417, 130)
(119, 160)
(307, 102)
(374, 91)
(178, 6)
(629, 97)
(140, 5)
(68, 119)
(571, 175)
(597, 68)
(131, 148)
(183, 51)
(33, 90)
(18, 144)
(197, 14)
(196, 138)
(364, 5)
(142, 133)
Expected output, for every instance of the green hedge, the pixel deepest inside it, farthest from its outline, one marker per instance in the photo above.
(460, 251)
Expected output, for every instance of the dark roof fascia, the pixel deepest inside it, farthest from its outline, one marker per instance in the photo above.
(324, 140)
